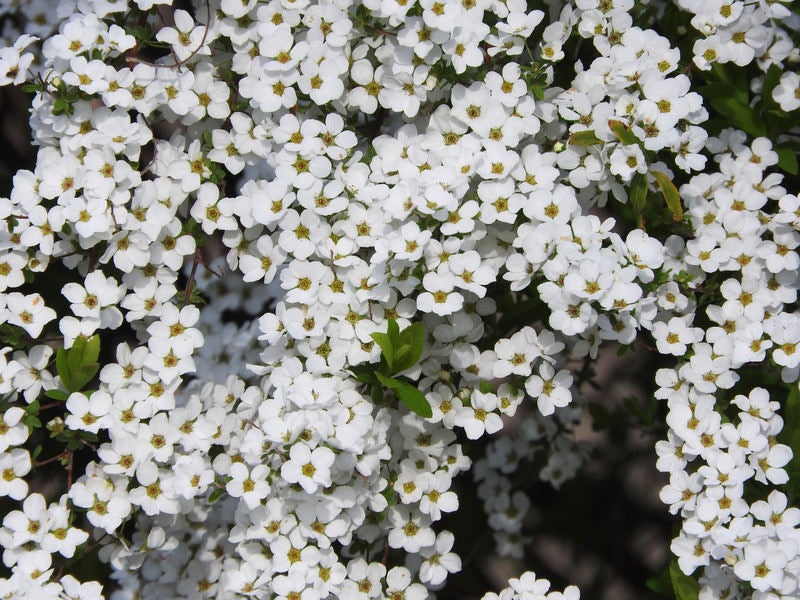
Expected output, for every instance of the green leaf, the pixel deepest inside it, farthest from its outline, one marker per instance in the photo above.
(638, 195)
(735, 78)
(411, 344)
(31, 422)
(771, 79)
(83, 352)
(409, 395)
(719, 90)
(684, 586)
(364, 373)
(387, 348)
(791, 437)
(390, 495)
(601, 417)
(401, 350)
(393, 329)
(56, 394)
(661, 584)
(63, 369)
(623, 133)
(78, 365)
(740, 115)
(584, 138)
(376, 392)
(634, 407)
(400, 355)
(670, 193)
(787, 159)
(84, 375)
(215, 495)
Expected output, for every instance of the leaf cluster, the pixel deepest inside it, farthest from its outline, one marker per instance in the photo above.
(400, 351)
(76, 366)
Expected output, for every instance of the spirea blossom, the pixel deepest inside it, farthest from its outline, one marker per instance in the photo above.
(306, 253)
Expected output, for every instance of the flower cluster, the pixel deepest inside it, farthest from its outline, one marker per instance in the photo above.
(247, 203)
(741, 32)
(530, 586)
(720, 439)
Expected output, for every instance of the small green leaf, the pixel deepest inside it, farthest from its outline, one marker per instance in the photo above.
(400, 350)
(376, 392)
(63, 369)
(411, 344)
(364, 373)
(31, 422)
(601, 417)
(387, 348)
(215, 495)
(84, 375)
(84, 351)
(401, 353)
(791, 410)
(584, 138)
(684, 586)
(623, 132)
(791, 437)
(670, 193)
(634, 407)
(409, 395)
(787, 159)
(740, 115)
(771, 80)
(390, 495)
(661, 584)
(78, 365)
(56, 394)
(393, 330)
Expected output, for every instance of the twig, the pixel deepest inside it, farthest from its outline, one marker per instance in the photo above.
(69, 467)
(187, 291)
(47, 461)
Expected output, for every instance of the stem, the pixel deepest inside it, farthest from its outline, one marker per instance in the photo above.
(187, 292)
(51, 459)
(69, 469)
(385, 557)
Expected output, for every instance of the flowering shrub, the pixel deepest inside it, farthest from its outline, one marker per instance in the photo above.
(307, 252)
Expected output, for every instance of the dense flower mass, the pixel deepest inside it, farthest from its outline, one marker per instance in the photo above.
(308, 251)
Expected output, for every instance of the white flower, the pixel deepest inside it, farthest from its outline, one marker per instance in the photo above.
(311, 468)
(440, 296)
(88, 413)
(249, 485)
(517, 353)
(409, 530)
(675, 336)
(28, 312)
(14, 465)
(439, 561)
(185, 38)
(479, 417)
(551, 389)
(787, 92)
